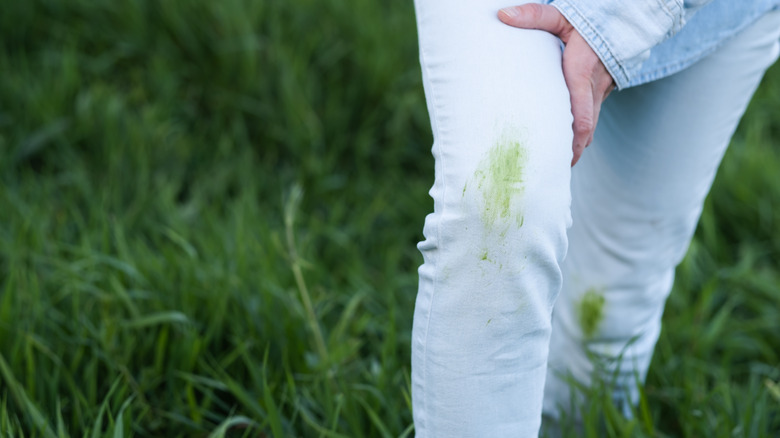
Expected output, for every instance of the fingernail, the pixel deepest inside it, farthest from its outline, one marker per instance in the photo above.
(510, 12)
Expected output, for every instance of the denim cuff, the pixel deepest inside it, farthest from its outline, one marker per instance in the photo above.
(622, 33)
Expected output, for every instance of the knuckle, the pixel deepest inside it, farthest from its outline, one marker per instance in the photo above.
(583, 126)
(535, 11)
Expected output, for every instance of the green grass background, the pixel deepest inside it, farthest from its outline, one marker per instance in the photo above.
(208, 219)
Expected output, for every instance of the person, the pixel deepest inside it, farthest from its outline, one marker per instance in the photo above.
(534, 267)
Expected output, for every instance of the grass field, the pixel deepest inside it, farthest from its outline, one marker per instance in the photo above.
(208, 219)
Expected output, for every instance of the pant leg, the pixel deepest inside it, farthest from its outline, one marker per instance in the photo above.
(637, 195)
(501, 118)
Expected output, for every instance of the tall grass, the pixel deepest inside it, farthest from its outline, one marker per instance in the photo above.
(209, 214)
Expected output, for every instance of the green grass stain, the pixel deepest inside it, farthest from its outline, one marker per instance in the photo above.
(484, 256)
(591, 311)
(499, 178)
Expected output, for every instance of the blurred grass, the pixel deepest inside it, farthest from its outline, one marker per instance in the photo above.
(210, 212)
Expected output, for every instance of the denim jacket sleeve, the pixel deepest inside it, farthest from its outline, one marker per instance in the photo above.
(623, 32)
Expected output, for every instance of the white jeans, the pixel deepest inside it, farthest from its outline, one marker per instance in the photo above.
(487, 349)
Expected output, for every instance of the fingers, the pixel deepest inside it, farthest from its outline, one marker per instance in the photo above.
(587, 79)
(536, 16)
(582, 108)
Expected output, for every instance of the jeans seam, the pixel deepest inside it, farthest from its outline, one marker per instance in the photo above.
(434, 260)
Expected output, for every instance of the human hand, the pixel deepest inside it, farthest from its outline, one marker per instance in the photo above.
(588, 80)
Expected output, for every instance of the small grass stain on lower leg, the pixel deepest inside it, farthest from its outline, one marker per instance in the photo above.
(591, 311)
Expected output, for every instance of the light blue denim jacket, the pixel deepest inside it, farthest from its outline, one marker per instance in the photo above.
(643, 40)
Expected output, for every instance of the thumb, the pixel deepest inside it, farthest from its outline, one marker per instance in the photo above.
(536, 16)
